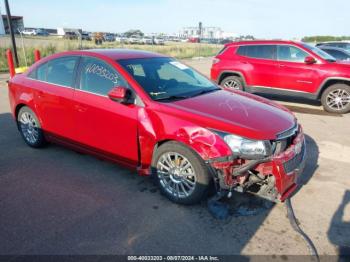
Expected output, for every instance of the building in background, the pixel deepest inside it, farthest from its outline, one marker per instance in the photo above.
(2, 27)
(204, 32)
(209, 32)
(229, 35)
(17, 24)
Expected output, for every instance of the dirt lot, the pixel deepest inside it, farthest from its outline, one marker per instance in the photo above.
(55, 201)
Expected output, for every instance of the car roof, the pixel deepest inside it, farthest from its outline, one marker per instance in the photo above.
(117, 54)
(334, 42)
(260, 42)
(331, 47)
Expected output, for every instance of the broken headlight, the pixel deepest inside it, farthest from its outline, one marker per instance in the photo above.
(246, 148)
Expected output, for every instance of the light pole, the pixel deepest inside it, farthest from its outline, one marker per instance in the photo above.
(13, 40)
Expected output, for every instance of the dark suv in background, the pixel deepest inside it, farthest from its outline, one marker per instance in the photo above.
(284, 68)
(340, 44)
(338, 53)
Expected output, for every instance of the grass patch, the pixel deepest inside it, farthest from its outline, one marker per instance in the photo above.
(51, 45)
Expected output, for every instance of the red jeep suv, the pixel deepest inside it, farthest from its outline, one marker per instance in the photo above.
(284, 68)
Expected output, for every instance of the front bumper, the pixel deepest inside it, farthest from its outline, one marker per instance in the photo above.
(288, 166)
(284, 168)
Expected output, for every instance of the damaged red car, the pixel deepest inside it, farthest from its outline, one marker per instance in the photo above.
(154, 114)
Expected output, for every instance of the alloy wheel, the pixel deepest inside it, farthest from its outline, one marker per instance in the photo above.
(176, 174)
(29, 127)
(338, 99)
(234, 84)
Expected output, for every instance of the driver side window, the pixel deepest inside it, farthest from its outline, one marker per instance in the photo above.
(98, 77)
(291, 54)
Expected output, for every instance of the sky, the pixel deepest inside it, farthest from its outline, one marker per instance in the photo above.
(261, 18)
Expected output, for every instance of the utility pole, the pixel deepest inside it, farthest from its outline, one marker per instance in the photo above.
(13, 40)
(200, 30)
(200, 33)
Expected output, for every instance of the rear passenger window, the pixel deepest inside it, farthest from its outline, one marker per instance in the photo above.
(258, 51)
(60, 71)
(39, 73)
(242, 50)
(98, 77)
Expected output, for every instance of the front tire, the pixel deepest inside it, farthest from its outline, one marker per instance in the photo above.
(336, 99)
(233, 82)
(181, 173)
(30, 128)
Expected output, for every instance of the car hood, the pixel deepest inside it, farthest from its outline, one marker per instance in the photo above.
(236, 112)
(345, 63)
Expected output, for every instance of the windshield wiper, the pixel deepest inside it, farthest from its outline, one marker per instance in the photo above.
(170, 98)
(205, 92)
(179, 97)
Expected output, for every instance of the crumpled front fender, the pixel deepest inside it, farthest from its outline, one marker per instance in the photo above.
(153, 130)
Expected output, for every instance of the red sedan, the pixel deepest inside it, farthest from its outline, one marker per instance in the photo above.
(156, 115)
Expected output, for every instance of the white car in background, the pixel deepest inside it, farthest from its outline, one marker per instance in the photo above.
(147, 40)
(121, 39)
(29, 32)
(134, 39)
(159, 41)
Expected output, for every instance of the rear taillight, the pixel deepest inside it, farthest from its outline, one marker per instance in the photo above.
(216, 60)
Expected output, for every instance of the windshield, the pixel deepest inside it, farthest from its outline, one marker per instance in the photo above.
(167, 79)
(320, 52)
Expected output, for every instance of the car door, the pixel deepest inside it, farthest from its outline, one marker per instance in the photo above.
(104, 125)
(53, 82)
(259, 63)
(293, 73)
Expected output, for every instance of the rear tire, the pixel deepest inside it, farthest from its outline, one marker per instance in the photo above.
(336, 99)
(181, 173)
(30, 128)
(233, 82)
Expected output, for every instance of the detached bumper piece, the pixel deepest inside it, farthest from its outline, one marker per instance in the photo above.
(274, 178)
(294, 163)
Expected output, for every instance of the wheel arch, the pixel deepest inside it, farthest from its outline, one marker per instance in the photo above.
(21, 105)
(331, 81)
(158, 144)
(17, 108)
(164, 141)
(227, 73)
(194, 150)
(207, 147)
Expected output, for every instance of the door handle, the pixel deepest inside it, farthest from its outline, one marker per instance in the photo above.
(281, 65)
(40, 94)
(80, 108)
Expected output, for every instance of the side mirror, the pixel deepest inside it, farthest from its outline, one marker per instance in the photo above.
(309, 60)
(120, 94)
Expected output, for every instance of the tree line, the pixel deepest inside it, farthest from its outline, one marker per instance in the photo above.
(324, 38)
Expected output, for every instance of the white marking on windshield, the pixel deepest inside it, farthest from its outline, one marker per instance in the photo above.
(179, 65)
